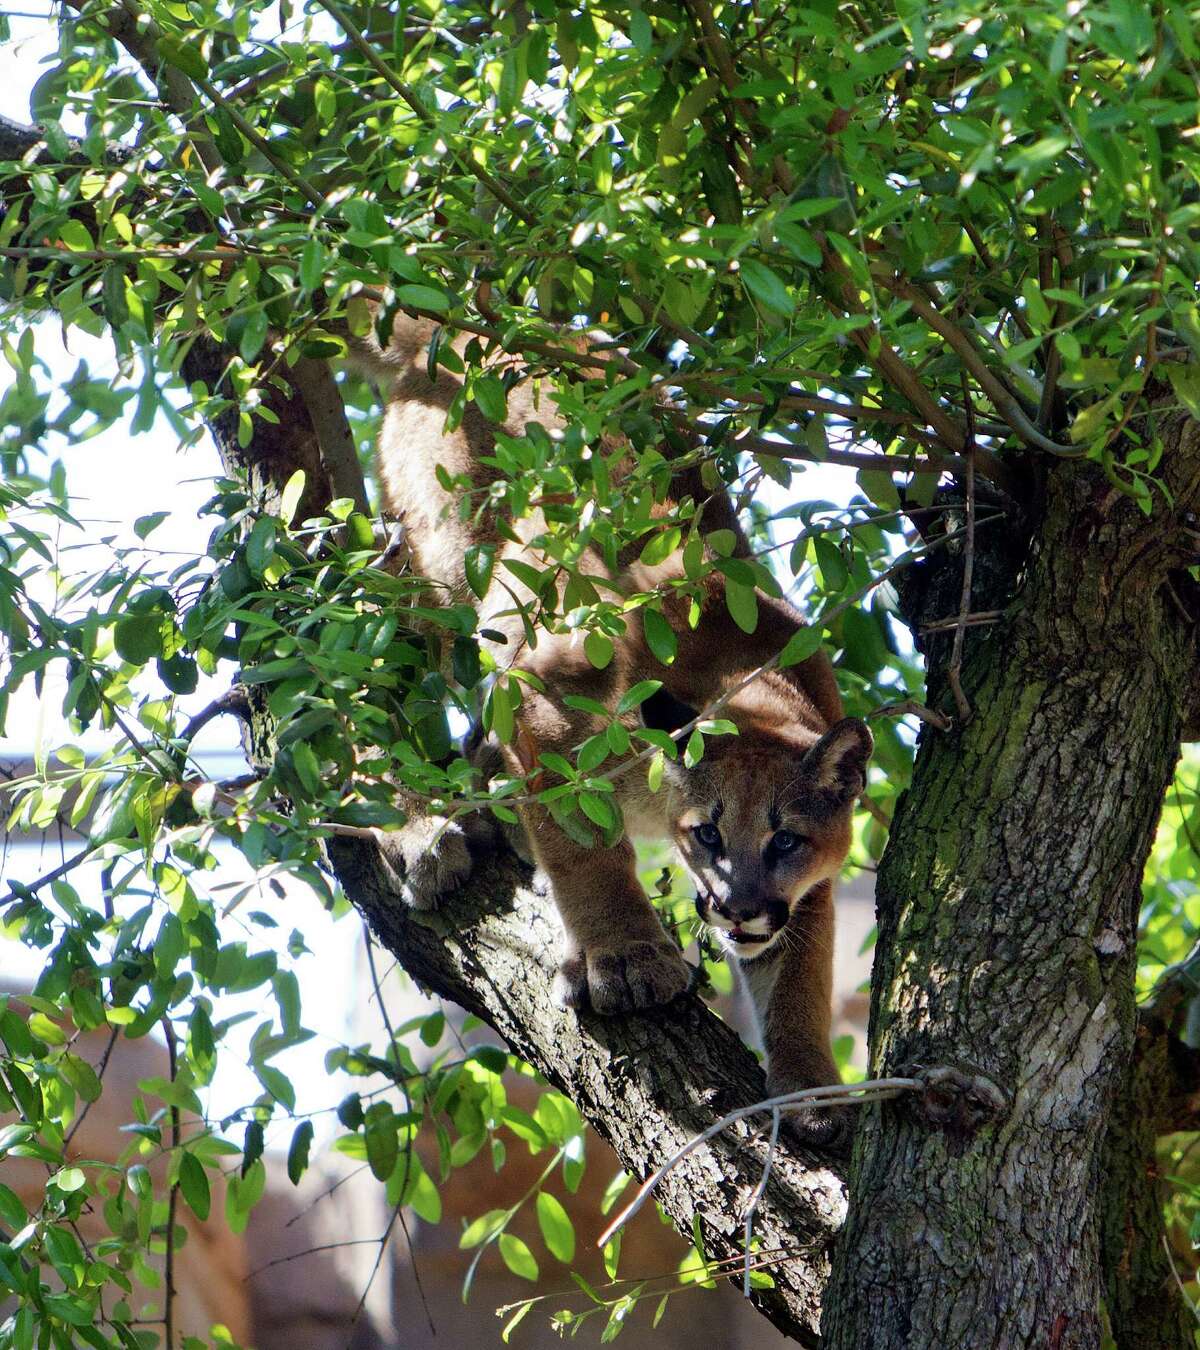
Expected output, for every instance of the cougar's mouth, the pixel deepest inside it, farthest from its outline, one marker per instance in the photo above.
(740, 935)
(735, 931)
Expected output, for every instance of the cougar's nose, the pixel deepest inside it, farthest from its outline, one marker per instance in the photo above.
(741, 908)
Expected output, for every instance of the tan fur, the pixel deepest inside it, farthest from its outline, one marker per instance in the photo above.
(782, 772)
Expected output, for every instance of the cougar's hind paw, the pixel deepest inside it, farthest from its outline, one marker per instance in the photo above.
(829, 1129)
(425, 860)
(622, 979)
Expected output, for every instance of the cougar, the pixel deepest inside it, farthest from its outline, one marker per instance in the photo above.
(761, 822)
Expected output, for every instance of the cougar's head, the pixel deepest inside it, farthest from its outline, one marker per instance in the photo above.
(762, 819)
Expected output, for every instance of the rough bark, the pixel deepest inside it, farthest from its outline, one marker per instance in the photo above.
(1008, 903)
(647, 1082)
(276, 449)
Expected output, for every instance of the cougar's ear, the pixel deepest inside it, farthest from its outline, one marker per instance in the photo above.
(664, 712)
(837, 764)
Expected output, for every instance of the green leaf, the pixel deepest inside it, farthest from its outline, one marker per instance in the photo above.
(659, 547)
(834, 575)
(81, 1076)
(46, 1030)
(312, 273)
(593, 752)
(423, 297)
(260, 547)
(1185, 381)
(193, 1182)
(289, 498)
(12, 1211)
(185, 56)
(482, 1228)
(499, 710)
(479, 562)
(558, 1232)
(490, 398)
(379, 1131)
(742, 603)
(432, 1028)
(517, 1256)
(138, 639)
(803, 643)
(660, 637)
(297, 1150)
(74, 235)
(599, 810)
(70, 1179)
(637, 695)
(145, 526)
(796, 239)
(423, 1194)
(766, 287)
(325, 101)
(598, 649)
(253, 1144)
(26, 1092)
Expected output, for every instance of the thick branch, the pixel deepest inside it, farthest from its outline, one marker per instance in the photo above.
(646, 1082)
(335, 442)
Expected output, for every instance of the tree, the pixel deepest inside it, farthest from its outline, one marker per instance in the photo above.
(950, 247)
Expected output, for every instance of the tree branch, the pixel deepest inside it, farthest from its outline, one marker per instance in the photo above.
(335, 442)
(647, 1083)
(1003, 399)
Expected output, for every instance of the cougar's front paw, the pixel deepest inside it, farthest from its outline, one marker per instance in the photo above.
(621, 979)
(425, 860)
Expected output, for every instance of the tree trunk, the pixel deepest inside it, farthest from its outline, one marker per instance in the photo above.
(1008, 905)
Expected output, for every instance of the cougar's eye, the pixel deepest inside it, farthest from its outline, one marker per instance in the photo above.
(783, 841)
(708, 835)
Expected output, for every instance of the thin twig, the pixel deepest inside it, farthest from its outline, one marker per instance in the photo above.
(973, 620)
(756, 1198)
(875, 811)
(101, 1066)
(309, 1251)
(909, 707)
(172, 1199)
(325, 1194)
(1003, 399)
(1191, 1307)
(408, 1142)
(136, 255)
(21, 890)
(383, 1245)
(234, 700)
